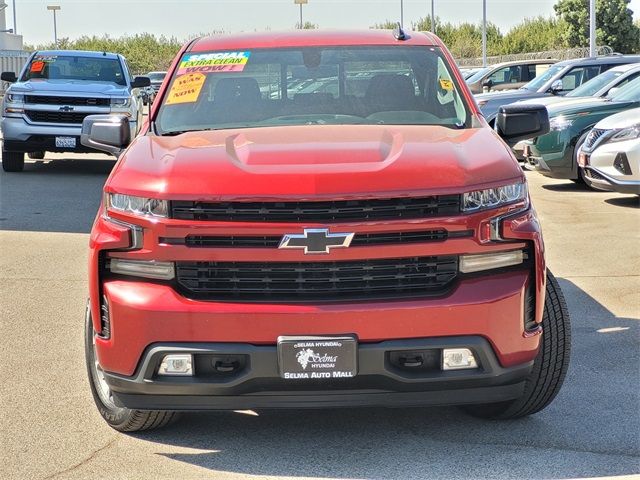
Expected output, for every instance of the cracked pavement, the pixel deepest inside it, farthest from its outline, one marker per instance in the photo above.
(50, 429)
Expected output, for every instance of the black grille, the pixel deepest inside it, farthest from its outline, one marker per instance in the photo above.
(319, 211)
(313, 281)
(79, 101)
(56, 117)
(272, 241)
(593, 137)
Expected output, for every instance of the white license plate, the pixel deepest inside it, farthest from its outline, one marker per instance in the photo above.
(65, 142)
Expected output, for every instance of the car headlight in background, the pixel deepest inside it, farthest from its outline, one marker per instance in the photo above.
(15, 98)
(150, 207)
(494, 197)
(559, 123)
(120, 102)
(630, 133)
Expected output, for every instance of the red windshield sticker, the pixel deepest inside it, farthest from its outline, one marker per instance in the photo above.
(37, 66)
(213, 62)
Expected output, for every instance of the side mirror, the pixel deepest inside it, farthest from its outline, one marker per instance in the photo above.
(109, 133)
(521, 122)
(556, 87)
(613, 91)
(9, 77)
(140, 82)
(487, 83)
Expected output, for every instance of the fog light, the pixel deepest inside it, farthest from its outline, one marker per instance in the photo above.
(176, 365)
(457, 359)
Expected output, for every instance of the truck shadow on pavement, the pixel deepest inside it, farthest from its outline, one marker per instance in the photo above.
(629, 202)
(590, 430)
(53, 196)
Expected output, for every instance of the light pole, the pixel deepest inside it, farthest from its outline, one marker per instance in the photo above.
(402, 13)
(433, 17)
(300, 2)
(484, 33)
(54, 9)
(592, 28)
(15, 27)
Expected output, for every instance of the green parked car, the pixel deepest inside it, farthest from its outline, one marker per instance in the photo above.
(555, 154)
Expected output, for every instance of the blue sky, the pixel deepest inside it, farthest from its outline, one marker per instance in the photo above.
(185, 18)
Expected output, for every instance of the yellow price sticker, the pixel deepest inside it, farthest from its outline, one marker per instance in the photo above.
(186, 88)
(446, 84)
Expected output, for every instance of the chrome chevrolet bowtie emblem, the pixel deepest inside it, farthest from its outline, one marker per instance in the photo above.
(66, 108)
(316, 240)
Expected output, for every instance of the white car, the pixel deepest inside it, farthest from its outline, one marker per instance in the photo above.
(610, 156)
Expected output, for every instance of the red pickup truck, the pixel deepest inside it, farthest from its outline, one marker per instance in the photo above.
(319, 219)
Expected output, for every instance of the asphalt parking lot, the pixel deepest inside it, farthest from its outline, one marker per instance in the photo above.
(51, 430)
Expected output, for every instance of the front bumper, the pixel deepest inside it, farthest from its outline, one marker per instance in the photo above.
(22, 136)
(379, 381)
(552, 155)
(601, 172)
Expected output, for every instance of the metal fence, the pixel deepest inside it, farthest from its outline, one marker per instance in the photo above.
(11, 61)
(565, 54)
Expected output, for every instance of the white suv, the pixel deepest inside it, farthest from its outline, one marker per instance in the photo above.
(610, 156)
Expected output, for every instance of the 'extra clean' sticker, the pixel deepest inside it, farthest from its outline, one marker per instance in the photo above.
(446, 84)
(213, 62)
(186, 88)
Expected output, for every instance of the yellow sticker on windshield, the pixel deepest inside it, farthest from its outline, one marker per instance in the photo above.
(186, 88)
(446, 84)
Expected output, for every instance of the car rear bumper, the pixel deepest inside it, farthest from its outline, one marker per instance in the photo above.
(379, 382)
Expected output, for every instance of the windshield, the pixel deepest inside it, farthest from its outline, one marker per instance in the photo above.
(629, 93)
(537, 83)
(477, 76)
(592, 86)
(156, 76)
(394, 85)
(72, 67)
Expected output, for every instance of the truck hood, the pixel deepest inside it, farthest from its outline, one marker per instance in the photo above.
(583, 106)
(69, 87)
(313, 161)
(508, 96)
(625, 119)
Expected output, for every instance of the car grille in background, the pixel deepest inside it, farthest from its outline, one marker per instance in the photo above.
(78, 101)
(316, 281)
(593, 137)
(319, 211)
(272, 241)
(56, 117)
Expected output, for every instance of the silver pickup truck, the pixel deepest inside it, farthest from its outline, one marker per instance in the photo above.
(45, 105)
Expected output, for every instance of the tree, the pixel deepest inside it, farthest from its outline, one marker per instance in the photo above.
(386, 25)
(614, 24)
(307, 26)
(534, 35)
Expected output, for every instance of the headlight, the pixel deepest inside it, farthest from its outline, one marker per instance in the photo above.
(494, 197)
(559, 123)
(630, 133)
(120, 102)
(151, 207)
(15, 98)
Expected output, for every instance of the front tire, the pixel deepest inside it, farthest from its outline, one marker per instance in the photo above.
(120, 418)
(12, 161)
(549, 368)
